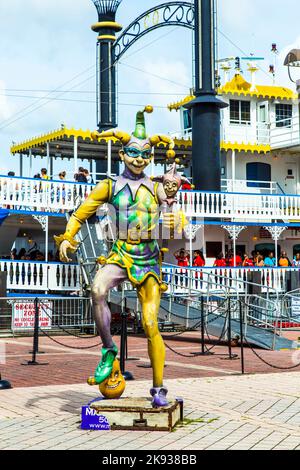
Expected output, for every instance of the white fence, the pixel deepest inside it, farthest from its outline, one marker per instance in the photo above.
(39, 276)
(285, 133)
(245, 132)
(41, 195)
(251, 207)
(53, 196)
(272, 280)
(278, 134)
(250, 186)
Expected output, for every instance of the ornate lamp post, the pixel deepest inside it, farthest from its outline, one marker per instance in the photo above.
(106, 27)
(206, 106)
(293, 60)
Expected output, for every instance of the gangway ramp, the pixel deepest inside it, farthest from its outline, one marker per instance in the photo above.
(215, 322)
(184, 309)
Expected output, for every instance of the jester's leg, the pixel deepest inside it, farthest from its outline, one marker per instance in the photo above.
(149, 295)
(108, 277)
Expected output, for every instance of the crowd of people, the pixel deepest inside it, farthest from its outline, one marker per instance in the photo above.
(183, 258)
(34, 254)
(82, 176)
(256, 259)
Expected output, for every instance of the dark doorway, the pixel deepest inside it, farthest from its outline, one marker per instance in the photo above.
(260, 172)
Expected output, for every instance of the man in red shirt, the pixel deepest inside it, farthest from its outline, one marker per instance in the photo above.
(238, 260)
(183, 257)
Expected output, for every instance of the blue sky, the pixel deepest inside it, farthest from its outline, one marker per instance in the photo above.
(45, 44)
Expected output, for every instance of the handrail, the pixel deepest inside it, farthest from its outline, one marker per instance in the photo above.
(48, 184)
(8, 260)
(46, 181)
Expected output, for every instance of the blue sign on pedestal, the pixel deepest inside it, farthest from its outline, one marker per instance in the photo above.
(91, 421)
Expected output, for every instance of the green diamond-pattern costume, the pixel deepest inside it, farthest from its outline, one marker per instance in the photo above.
(137, 217)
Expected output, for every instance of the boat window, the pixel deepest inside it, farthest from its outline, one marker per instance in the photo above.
(240, 112)
(187, 119)
(284, 113)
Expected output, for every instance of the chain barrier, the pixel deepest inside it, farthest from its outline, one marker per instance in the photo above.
(67, 345)
(73, 335)
(273, 366)
(64, 330)
(207, 349)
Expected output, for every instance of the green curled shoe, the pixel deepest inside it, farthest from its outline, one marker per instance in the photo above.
(105, 366)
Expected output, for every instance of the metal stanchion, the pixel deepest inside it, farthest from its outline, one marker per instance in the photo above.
(202, 326)
(230, 355)
(123, 346)
(35, 348)
(203, 352)
(4, 384)
(229, 329)
(242, 339)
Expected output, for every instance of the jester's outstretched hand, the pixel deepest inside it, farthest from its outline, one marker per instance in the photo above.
(135, 255)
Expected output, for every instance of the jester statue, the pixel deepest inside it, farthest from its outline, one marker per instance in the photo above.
(135, 255)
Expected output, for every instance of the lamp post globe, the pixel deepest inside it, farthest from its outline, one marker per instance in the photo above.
(106, 8)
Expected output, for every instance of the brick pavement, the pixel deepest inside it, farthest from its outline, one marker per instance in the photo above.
(70, 366)
(42, 411)
(231, 412)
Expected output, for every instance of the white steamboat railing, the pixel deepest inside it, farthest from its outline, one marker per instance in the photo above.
(240, 132)
(52, 196)
(250, 186)
(245, 132)
(252, 207)
(30, 276)
(237, 279)
(278, 134)
(40, 276)
(41, 195)
(285, 133)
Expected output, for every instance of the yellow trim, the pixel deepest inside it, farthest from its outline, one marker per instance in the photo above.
(179, 104)
(106, 24)
(239, 86)
(107, 36)
(54, 136)
(243, 147)
(258, 148)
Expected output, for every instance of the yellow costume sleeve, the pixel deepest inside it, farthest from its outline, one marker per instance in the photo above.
(181, 222)
(99, 196)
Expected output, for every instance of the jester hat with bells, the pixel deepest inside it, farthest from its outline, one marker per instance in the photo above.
(139, 136)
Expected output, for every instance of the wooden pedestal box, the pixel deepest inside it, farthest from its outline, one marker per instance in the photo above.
(137, 414)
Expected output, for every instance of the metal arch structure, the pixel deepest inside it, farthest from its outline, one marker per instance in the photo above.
(198, 15)
(166, 14)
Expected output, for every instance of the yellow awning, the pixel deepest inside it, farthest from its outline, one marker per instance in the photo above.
(243, 147)
(239, 86)
(53, 136)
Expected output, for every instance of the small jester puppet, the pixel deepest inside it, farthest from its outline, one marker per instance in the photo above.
(172, 182)
(135, 255)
